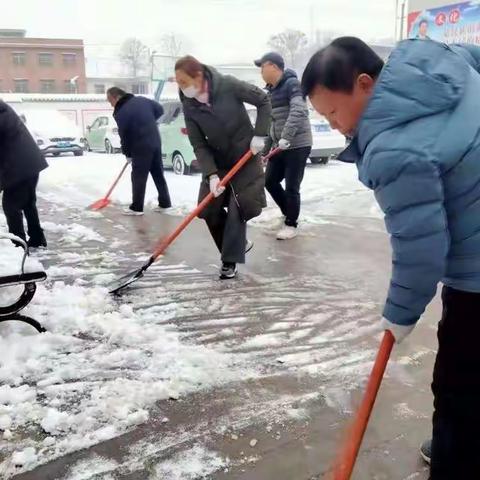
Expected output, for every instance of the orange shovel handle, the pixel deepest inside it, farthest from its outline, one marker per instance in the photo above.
(348, 454)
(186, 221)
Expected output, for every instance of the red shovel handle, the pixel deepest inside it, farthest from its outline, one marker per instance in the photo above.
(169, 240)
(116, 181)
(346, 461)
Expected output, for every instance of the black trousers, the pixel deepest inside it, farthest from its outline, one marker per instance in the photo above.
(19, 200)
(229, 230)
(289, 166)
(456, 389)
(149, 162)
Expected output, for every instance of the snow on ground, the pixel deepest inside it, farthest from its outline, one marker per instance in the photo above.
(98, 369)
(102, 365)
(192, 464)
(332, 190)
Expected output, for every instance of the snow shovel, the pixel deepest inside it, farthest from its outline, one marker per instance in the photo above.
(348, 454)
(105, 201)
(128, 279)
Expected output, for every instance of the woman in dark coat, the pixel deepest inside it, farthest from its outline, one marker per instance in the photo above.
(220, 132)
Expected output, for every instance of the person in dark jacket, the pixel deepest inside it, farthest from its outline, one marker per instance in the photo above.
(415, 125)
(291, 131)
(20, 165)
(136, 119)
(220, 132)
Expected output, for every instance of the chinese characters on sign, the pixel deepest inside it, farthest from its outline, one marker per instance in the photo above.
(454, 23)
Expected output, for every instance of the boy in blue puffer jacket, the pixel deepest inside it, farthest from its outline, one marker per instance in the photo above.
(415, 128)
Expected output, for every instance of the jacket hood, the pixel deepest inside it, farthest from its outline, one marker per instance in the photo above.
(122, 101)
(213, 78)
(421, 78)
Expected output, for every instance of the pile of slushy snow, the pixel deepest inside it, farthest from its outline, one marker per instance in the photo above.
(94, 374)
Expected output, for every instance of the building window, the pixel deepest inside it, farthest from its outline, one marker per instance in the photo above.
(139, 88)
(47, 86)
(69, 87)
(99, 88)
(19, 58)
(21, 85)
(45, 59)
(69, 59)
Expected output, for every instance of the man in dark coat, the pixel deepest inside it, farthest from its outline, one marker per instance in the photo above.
(220, 132)
(291, 132)
(20, 164)
(136, 118)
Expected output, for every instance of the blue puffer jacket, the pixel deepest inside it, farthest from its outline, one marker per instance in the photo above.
(418, 148)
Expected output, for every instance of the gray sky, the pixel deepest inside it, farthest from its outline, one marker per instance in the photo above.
(220, 31)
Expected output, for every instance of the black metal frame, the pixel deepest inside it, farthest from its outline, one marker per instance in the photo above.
(28, 280)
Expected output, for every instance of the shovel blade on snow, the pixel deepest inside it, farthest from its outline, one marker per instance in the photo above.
(131, 277)
(123, 282)
(99, 204)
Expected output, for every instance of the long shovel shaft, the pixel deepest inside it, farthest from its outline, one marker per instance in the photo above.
(346, 461)
(200, 207)
(116, 181)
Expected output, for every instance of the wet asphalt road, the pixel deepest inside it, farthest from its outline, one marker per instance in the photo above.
(301, 311)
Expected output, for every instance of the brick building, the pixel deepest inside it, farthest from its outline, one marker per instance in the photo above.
(41, 65)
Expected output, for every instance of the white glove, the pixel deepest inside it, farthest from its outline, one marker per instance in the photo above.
(214, 186)
(399, 332)
(257, 144)
(129, 159)
(283, 144)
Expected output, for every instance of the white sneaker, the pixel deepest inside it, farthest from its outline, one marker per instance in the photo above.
(129, 211)
(162, 209)
(287, 233)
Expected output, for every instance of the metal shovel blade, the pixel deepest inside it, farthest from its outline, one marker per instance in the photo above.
(116, 286)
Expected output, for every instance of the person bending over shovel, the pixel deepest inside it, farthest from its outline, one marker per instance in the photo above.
(220, 132)
(415, 124)
(136, 119)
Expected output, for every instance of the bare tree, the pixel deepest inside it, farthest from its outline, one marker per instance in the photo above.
(134, 54)
(172, 45)
(290, 43)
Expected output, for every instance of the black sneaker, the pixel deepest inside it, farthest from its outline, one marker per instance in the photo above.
(426, 451)
(228, 271)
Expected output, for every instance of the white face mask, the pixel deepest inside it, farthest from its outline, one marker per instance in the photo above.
(191, 91)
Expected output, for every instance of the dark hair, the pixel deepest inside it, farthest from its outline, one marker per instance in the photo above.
(190, 65)
(423, 21)
(338, 65)
(116, 92)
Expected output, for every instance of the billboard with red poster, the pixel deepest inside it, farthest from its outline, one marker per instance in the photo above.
(453, 23)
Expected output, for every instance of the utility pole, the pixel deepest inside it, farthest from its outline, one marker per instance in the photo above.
(396, 20)
(312, 23)
(402, 18)
(152, 64)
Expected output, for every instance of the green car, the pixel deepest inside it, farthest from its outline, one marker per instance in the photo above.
(177, 152)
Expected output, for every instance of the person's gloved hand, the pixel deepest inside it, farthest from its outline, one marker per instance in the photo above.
(283, 144)
(214, 186)
(129, 159)
(257, 144)
(399, 332)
